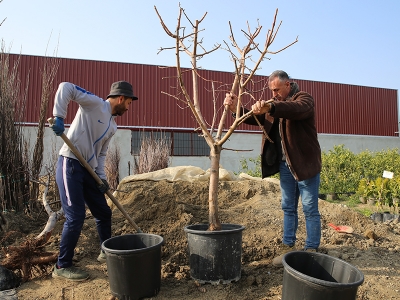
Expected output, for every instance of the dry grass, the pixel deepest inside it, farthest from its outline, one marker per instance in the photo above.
(154, 154)
(14, 165)
(49, 71)
(112, 166)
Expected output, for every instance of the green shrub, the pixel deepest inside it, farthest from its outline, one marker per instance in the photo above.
(339, 172)
(344, 172)
(255, 171)
(255, 162)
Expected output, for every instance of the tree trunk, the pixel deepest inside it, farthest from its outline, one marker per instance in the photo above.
(213, 219)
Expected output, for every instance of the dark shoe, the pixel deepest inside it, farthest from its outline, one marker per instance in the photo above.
(71, 273)
(102, 257)
(311, 250)
(277, 261)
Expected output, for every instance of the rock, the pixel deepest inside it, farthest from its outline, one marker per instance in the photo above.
(250, 280)
(345, 256)
(370, 234)
(334, 253)
(8, 279)
(9, 295)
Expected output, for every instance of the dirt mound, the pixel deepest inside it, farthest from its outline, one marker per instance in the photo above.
(165, 208)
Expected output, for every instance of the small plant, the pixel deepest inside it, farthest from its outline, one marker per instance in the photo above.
(363, 190)
(246, 163)
(382, 192)
(394, 186)
(364, 211)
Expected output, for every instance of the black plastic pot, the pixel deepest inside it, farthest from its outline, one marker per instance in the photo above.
(134, 265)
(317, 276)
(377, 217)
(215, 256)
(387, 216)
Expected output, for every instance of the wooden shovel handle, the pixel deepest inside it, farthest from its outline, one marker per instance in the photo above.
(95, 176)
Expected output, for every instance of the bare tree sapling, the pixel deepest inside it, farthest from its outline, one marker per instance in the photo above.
(245, 68)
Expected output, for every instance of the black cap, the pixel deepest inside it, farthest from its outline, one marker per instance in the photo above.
(122, 88)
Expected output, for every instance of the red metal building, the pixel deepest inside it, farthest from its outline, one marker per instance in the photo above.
(340, 108)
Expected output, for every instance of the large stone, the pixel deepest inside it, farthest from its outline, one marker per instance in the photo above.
(8, 279)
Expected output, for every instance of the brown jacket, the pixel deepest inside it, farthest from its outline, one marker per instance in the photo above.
(294, 118)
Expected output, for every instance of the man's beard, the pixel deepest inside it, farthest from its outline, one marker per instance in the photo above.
(120, 110)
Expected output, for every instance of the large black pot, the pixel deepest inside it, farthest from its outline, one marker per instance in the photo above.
(317, 276)
(134, 265)
(215, 256)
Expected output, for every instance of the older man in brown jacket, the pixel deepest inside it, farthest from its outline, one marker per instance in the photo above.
(295, 152)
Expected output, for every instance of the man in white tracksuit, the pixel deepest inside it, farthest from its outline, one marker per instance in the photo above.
(90, 132)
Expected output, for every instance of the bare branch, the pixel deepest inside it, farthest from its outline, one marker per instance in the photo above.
(238, 150)
(271, 32)
(162, 49)
(208, 52)
(215, 109)
(232, 38)
(191, 21)
(205, 79)
(163, 25)
(177, 98)
(284, 47)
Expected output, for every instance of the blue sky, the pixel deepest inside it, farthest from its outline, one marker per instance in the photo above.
(343, 41)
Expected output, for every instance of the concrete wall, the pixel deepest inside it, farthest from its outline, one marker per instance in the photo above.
(358, 143)
(242, 145)
(53, 143)
(230, 160)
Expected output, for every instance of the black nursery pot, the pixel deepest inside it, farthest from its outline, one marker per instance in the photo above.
(134, 265)
(215, 256)
(316, 276)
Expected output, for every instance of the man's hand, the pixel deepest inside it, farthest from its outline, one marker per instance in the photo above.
(231, 102)
(261, 107)
(104, 187)
(58, 126)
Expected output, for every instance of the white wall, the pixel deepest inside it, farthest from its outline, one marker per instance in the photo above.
(230, 160)
(53, 143)
(358, 143)
(240, 146)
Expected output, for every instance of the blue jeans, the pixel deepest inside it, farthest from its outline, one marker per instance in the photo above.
(308, 190)
(77, 189)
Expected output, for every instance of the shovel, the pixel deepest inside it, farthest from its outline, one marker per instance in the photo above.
(95, 176)
(342, 228)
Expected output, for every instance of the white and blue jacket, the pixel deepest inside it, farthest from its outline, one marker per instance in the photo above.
(92, 127)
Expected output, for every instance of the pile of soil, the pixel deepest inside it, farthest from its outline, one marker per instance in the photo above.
(165, 208)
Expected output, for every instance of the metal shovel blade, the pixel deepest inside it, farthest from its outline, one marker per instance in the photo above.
(342, 228)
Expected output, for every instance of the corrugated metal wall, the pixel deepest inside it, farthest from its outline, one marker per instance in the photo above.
(340, 108)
